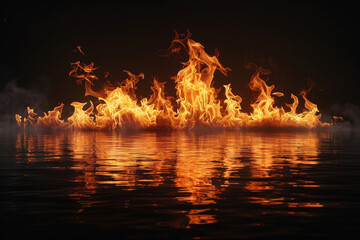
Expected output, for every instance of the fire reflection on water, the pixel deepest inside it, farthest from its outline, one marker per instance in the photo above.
(199, 166)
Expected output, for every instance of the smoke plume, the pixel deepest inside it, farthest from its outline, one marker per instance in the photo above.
(16, 99)
(350, 115)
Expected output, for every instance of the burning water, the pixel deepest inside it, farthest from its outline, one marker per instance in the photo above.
(196, 103)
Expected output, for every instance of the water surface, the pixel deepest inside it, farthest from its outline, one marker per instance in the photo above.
(152, 185)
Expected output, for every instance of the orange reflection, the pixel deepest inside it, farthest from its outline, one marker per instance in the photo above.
(271, 152)
(199, 166)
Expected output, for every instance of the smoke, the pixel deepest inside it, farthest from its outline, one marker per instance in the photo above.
(350, 115)
(15, 100)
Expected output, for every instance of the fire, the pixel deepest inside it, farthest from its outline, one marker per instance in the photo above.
(196, 104)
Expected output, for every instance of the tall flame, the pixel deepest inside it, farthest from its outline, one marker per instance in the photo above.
(197, 103)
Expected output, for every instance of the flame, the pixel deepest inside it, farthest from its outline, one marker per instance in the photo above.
(196, 104)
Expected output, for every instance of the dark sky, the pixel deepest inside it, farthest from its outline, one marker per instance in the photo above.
(300, 42)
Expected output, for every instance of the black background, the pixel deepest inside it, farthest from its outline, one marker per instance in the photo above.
(301, 42)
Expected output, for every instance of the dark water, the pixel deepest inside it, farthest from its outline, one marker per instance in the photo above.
(178, 185)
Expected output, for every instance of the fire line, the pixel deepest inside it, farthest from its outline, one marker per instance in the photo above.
(196, 103)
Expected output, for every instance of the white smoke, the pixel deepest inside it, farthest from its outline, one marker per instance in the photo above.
(350, 114)
(15, 100)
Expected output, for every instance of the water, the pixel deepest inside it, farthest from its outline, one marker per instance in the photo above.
(179, 185)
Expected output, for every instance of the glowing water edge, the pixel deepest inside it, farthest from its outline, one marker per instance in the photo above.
(171, 185)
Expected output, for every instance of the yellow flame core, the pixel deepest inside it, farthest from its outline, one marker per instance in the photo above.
(197, 102)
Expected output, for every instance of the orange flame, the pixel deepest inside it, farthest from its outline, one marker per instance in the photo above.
(197, 103)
